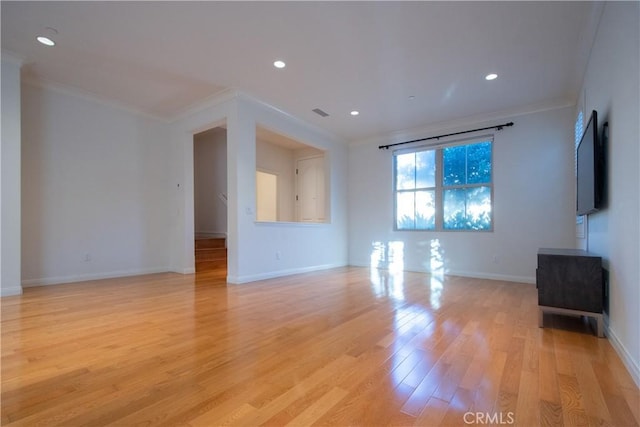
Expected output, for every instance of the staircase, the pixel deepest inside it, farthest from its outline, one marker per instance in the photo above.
(211, 254)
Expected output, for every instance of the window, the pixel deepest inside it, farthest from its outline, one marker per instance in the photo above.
(415, 190)
(577, 135)
(447, 188)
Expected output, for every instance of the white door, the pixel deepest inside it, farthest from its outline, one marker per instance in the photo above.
(310, 199)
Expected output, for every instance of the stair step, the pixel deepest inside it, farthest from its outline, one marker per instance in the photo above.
(217, 264)
(209, 254)
(216, 242)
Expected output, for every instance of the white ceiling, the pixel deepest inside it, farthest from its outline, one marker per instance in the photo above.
(160, 58)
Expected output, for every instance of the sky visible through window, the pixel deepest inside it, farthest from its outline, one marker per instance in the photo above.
(462, 192)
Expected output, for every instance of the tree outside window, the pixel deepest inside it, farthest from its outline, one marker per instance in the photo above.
(446, 188)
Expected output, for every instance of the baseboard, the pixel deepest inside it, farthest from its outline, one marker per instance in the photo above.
(625, 356)
(470, 274)
(237, 280)
(7, 292)
(93, 276)
(491, 276)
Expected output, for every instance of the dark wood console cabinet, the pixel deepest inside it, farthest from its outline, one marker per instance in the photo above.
(570, 281)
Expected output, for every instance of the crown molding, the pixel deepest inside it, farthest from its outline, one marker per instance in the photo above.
(587, 37)
(251, 99)
(12, 58)
(88, 96)
(215, 99)
(212, 100)
(453, 125)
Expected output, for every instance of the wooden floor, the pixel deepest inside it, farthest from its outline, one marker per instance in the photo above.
(341, 347)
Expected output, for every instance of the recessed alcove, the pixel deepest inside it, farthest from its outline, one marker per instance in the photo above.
(291, 180)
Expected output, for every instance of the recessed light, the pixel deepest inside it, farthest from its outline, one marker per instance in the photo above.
(491, 76)
(354, 113)
(46, 41)
(412, 97)
(279, 64)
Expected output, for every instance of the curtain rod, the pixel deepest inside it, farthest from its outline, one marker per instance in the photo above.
(496, 127)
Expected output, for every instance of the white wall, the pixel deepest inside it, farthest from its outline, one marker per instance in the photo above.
(612, 88)
(94, 190)
(10, 180)
(181, 182)
(210, 163)
(274, 249)
(256, 250)
(533, 203)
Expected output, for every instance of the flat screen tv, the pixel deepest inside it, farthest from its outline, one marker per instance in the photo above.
(590, 173)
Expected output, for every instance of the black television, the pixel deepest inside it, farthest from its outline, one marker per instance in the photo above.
(590, 169)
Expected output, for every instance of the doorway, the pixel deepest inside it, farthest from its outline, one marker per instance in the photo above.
(210, 201)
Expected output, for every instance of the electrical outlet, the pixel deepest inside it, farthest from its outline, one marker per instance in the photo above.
(87, 258)
(278, 255)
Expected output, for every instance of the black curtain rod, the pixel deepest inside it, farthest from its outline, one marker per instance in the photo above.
(496, 127)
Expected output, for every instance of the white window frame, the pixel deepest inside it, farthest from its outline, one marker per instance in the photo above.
(439, 187)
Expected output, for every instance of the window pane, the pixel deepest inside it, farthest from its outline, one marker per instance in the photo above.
(425, 210)
(479, 163)
(467, 209)
(479, 208)
(405, 210)
(406, 171)
(426, 169)
(467, 164)
(454, 209)
(454, 159)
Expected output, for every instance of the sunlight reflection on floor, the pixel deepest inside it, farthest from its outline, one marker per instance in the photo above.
(436, 266)
(387, 269)
(410, 321)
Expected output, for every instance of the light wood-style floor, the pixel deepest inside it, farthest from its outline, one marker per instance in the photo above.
(348, 346)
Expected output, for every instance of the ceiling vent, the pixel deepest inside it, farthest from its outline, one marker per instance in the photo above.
(320, 112)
